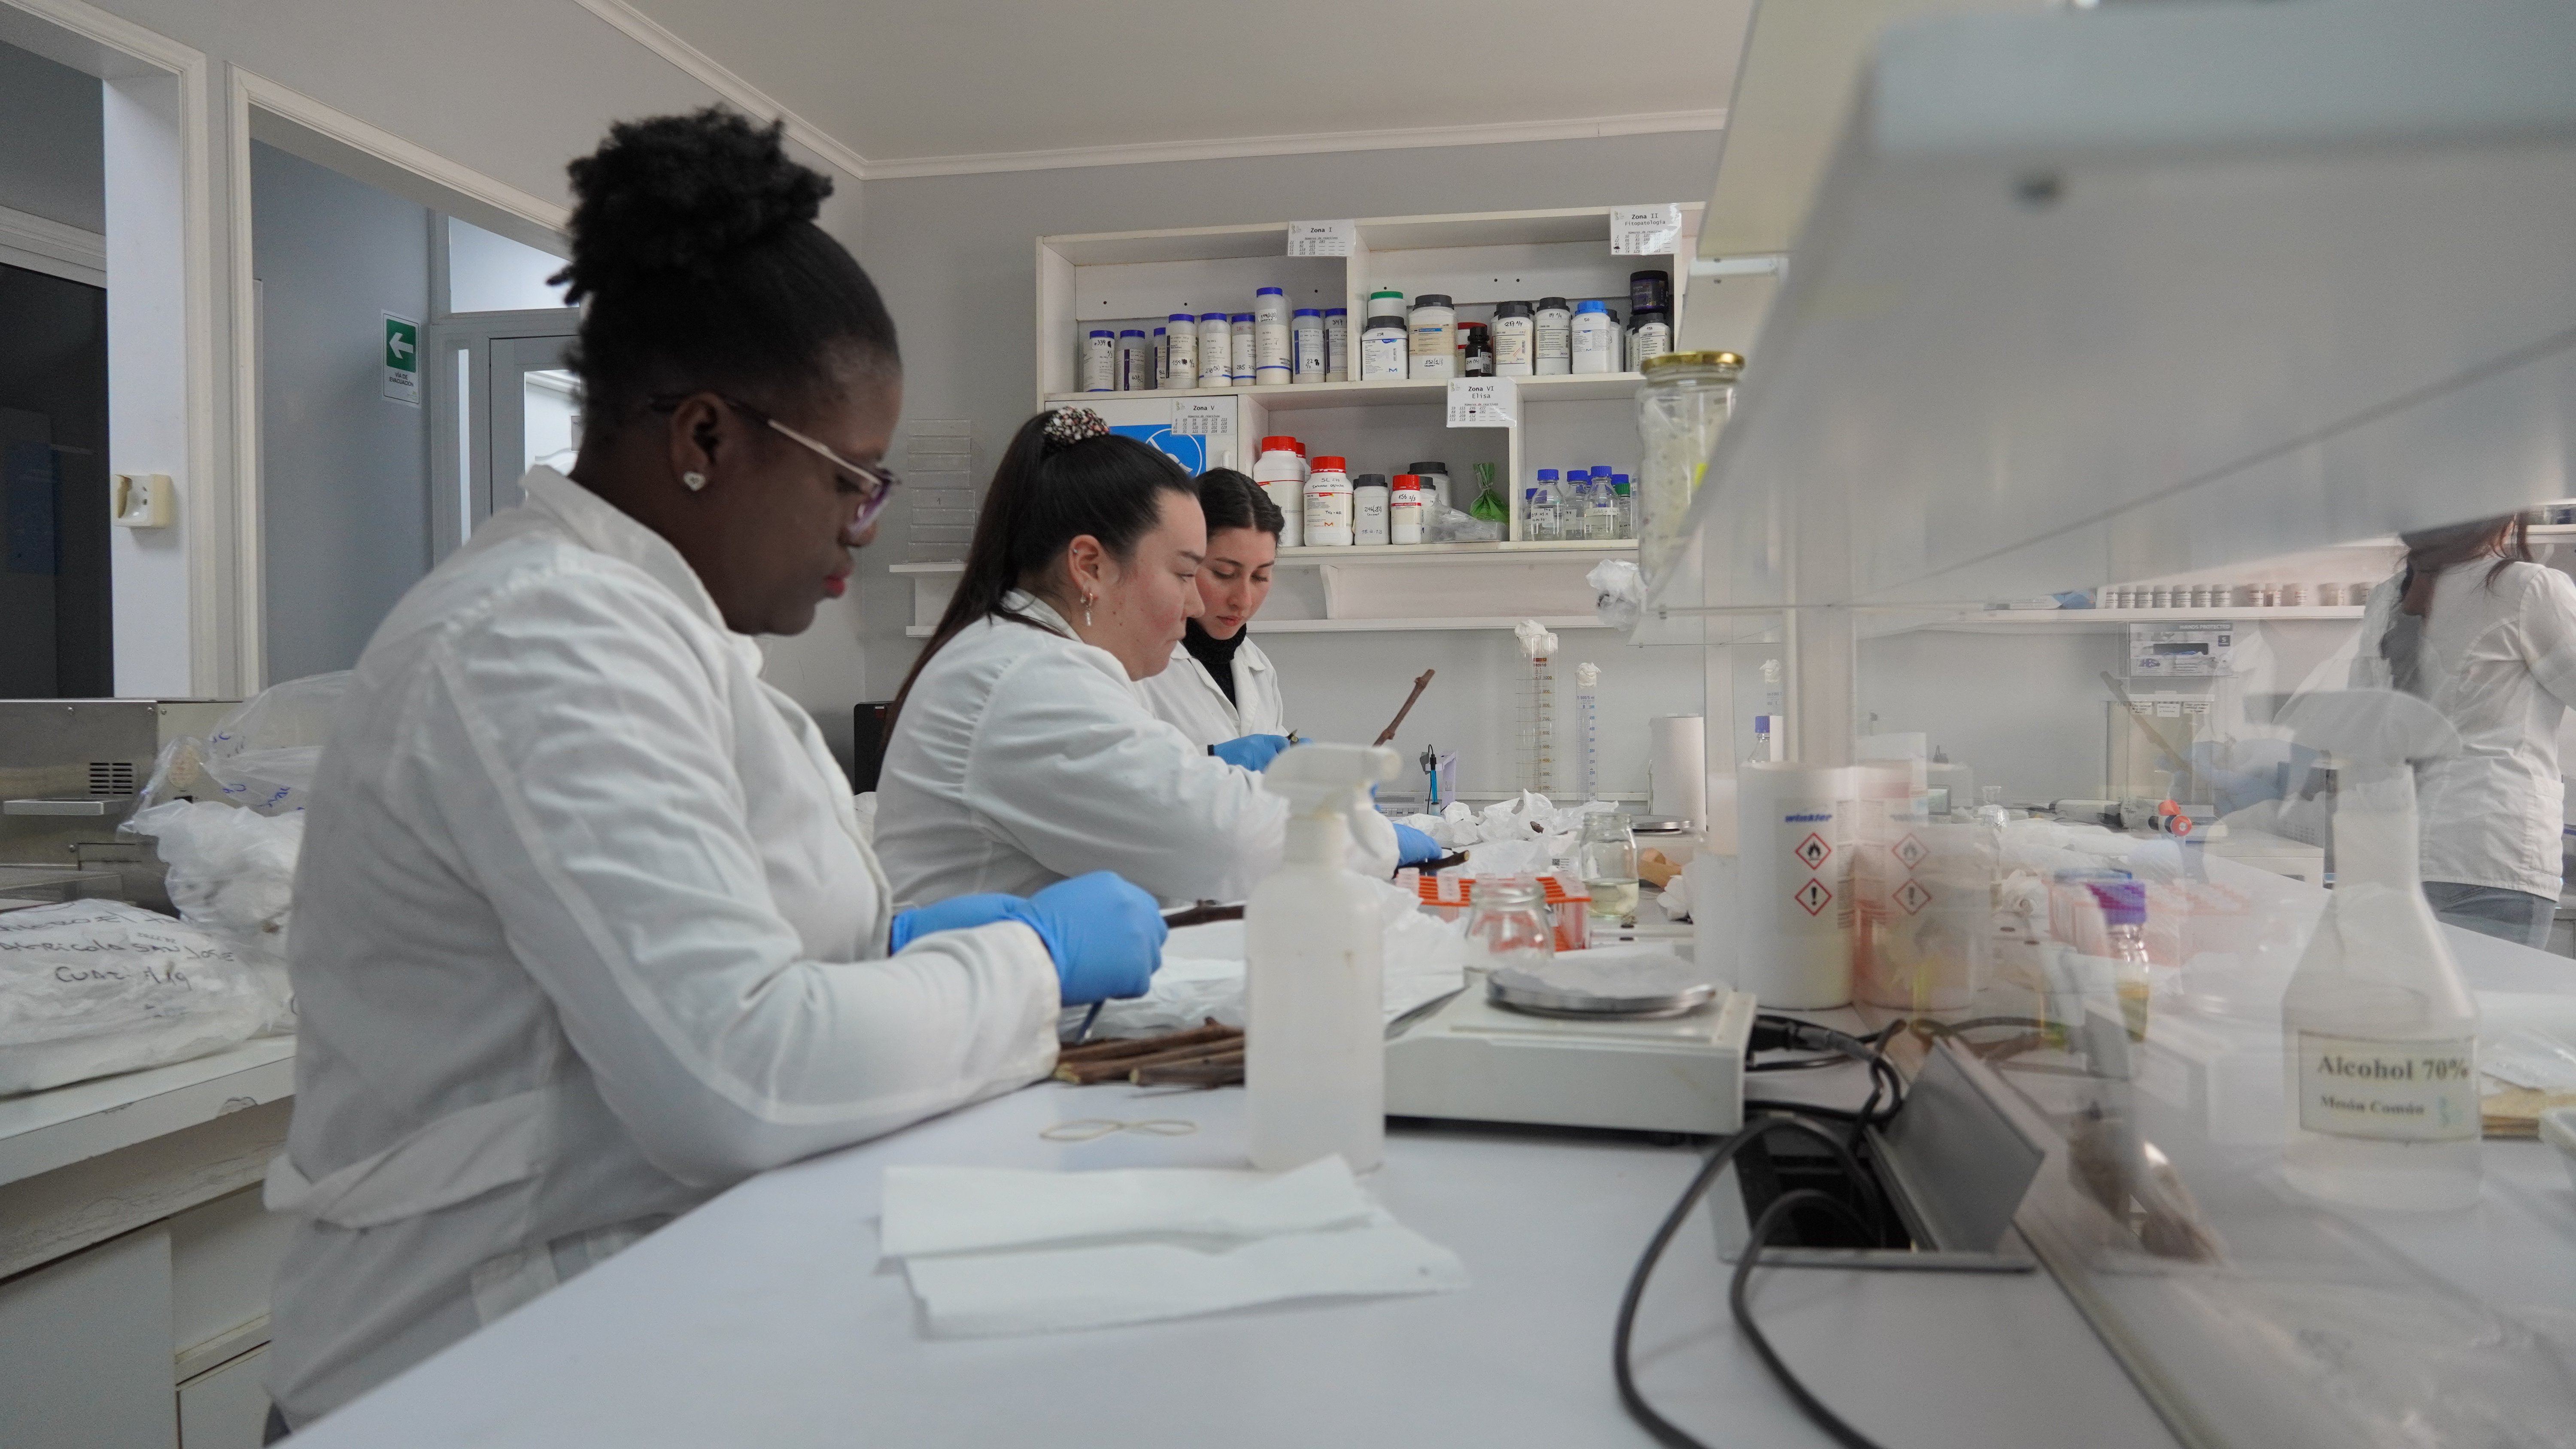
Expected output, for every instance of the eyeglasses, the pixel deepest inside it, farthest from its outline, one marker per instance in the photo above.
(876, 485)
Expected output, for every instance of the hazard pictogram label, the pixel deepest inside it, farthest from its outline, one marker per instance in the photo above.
(1813, 896)
(1812, 851)
(1911, 851)
(1913, 897)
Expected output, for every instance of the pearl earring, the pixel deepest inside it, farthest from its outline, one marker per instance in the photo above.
(1086, 611)
(693, 480)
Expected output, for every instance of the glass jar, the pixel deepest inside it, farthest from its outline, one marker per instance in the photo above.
(1680, 410)
(1607, 857)
(1507, 925)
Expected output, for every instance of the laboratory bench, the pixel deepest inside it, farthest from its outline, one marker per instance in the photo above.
(135, 1259)
(765, 1317)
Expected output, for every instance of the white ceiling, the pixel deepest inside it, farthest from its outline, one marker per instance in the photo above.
(898, 82)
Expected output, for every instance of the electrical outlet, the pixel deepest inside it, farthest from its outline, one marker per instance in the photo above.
(142, 500)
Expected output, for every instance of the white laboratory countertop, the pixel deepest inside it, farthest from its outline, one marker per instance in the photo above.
(41, 1131)
(765, 1318)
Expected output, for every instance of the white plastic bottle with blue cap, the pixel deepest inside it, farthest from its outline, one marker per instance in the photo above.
(1314, 1064)
(1596, 338)
(1273, 362)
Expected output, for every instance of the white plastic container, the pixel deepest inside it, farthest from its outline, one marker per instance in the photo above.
(1791, 950)
(1515, 340)
(1382, 350)
(1370, 497)
(1216, 350)
(1404, 509)
(1337, 344)
(1281, 472)
(1274, 364)
(1100, 361)
(1385, 302)
(1181, 351)
(1650, 337)
(1433, 324)
(1552, 336)
(1328, 505)
(1241, 344)
(1135, 360)
(1315, 1068)
(1306, 343)
(1595, 339)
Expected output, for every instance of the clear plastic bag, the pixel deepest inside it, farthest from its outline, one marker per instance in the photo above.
(262, 757)
(88, 988)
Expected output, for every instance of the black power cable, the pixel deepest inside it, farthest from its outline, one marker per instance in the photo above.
(1666, 1432)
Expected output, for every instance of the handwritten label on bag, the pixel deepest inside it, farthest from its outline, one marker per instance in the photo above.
(2389, 1091)
(1482, 402)
(1322, 238)
(1645, 231)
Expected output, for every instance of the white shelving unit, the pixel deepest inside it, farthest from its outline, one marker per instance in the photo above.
(1137, 279)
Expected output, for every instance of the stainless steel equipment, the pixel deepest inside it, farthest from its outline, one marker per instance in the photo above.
(70, 771)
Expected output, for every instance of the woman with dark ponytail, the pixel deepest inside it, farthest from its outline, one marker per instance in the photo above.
(1021, 750)
(585, 928)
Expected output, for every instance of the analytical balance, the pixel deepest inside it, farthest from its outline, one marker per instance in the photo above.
(1621, 1036)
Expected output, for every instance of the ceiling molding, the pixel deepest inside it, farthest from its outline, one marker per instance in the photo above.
(741, 94)
(751, 100)
(43, 245)
(1496, 133)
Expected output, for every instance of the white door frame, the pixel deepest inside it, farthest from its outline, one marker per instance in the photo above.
(263, 110)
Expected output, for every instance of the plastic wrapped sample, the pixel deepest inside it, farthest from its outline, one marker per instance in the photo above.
(89, 988)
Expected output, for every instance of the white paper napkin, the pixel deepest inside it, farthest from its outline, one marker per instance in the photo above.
(978, 1209)
(987, 1294)
(997, 1251)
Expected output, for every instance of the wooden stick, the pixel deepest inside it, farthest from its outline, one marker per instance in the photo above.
(1213, 1072)
(1084, 1074)
(1397, 723)
(1144, 1046)
(1202, 914)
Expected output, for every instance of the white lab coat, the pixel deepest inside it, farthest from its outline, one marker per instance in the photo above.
(1186, 696)
(2500, 664)
(584, 934)
(1024, 756)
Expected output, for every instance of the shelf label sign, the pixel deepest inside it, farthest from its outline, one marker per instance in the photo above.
(1322, 238)
(1203, 417)
(1645, 231)
(2202, 650)
(402, 360)
(1483, 402)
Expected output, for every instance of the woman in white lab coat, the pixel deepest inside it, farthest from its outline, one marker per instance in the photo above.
(585, 930)
(1220, 686)
(2488, 637)
(1021, 751)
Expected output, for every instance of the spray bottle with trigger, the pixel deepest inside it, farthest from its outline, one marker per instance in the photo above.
(1315, 1050)
(2379, 1030)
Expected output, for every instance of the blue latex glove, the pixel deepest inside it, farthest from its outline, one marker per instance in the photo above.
(1252, 752)
(1106, 936)
(1412, 847)
(957, 913)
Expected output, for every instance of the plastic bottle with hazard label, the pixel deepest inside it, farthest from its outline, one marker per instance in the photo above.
(1792, 950)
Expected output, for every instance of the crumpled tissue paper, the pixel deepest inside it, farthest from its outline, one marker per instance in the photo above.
(992, 1251)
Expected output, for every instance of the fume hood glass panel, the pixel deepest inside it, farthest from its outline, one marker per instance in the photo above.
(2155, 1074)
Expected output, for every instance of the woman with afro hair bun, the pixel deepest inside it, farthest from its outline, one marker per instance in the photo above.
(586, 930)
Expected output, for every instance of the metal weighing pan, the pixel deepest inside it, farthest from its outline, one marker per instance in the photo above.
(1595, 984)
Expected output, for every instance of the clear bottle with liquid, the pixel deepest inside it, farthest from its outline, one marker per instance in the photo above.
(1601, 513)
(1607, 858)
(2379, 1031)
(1539, 517)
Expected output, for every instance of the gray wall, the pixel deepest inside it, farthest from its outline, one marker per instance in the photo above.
(955, 257)
(51, 162)
(344, 471)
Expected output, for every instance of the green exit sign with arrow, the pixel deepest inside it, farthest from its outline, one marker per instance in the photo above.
(402, 360)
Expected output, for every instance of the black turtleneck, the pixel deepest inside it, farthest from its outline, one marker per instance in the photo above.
(1217, 654)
